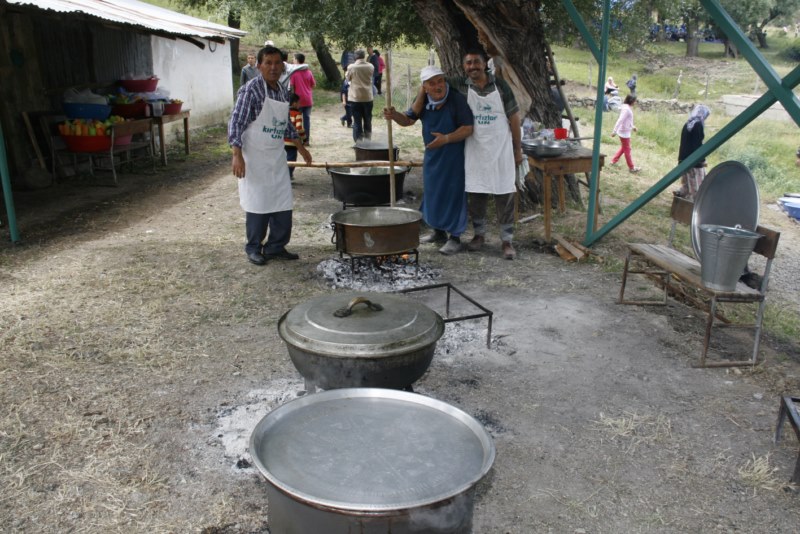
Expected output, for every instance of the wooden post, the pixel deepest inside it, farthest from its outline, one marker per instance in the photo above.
(389, 126)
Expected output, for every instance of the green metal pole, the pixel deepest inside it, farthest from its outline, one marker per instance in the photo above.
(760, 65)
(598, 119)
(728, 131)
(789, 82)
(582, 29)
(7, 195)
(601, 55)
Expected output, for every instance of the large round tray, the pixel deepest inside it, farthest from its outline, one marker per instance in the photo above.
(371, 449)
(728, 196)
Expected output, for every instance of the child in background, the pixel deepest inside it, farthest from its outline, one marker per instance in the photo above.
(296, 118)
(347, 118)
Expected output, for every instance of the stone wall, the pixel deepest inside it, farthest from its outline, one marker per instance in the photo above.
(644, 104)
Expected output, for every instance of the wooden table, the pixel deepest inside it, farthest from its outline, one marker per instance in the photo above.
(165, 119)
(574, 161)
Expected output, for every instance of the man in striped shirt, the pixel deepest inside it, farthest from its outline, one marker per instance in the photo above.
(256, 132)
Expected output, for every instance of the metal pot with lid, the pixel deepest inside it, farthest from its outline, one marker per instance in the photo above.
(373, 461)
(361, 340)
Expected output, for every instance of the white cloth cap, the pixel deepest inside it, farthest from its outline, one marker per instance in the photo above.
(429, 72)
(269, 43)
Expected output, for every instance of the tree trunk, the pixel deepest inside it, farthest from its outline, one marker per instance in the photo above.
(330, 67)
(730, 49)
(511, 30)
(692, 39)
(235, 21)
(761, 37)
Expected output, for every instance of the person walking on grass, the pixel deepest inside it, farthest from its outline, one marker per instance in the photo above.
(692, 135)
(624, 128)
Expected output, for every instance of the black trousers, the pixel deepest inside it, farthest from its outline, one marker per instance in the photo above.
(362, 120)
(279, 225)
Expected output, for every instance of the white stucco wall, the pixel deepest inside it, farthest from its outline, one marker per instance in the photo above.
(201, 78)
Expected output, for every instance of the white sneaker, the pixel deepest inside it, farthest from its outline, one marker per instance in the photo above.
(453, 246)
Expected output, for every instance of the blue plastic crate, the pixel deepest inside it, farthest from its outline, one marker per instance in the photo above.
(791, 206)
(86, 111)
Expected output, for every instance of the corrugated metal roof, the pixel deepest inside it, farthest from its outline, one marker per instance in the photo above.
(134, 13)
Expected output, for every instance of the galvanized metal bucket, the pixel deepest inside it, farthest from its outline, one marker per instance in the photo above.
(724, 252)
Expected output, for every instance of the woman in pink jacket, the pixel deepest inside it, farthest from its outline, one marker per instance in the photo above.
(624, 127)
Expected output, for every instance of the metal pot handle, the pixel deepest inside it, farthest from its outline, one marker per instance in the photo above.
(348, 310)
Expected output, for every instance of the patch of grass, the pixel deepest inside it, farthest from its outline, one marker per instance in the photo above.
(759, 474)
(636, 428)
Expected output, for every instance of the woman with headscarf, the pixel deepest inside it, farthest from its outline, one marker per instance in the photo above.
(610, 86)
(692, 136)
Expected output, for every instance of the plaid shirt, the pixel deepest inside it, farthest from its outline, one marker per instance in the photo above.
(249, 103)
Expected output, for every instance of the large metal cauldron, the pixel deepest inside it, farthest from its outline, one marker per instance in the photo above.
(372, 461)
(374, 150)
(366, 186)
(361, 340)
(377, 231)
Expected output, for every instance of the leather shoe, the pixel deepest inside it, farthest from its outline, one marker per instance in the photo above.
(508, 251)
(256, 258)
(476, 243)
(282, 255)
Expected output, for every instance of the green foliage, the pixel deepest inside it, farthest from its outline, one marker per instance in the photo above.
(792, 51)
(764, 161)
(376, 22)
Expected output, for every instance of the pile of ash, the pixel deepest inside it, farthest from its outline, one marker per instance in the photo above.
(391, 273)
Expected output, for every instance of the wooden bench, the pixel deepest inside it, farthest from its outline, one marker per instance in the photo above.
(673, 269)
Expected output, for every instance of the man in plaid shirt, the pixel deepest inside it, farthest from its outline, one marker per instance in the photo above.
(256, 131)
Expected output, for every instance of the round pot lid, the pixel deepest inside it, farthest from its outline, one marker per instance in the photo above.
(376, 216)
(728, 196)
(370, 449)
(360, 324)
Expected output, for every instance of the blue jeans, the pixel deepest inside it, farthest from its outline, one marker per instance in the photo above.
(291, 155)
(307, 122)
(362, 120)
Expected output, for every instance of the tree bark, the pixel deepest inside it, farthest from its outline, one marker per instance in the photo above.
(761, 37)
(692, 40)
(730, 49)
(235, 21)
(511, 30)
(330, 67)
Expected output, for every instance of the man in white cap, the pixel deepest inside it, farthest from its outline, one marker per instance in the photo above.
(446, 122)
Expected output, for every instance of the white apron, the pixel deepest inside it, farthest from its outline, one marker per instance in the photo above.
(266, 187)
(489, 151)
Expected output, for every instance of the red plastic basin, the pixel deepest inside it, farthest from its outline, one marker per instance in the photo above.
(87, 143)
(140, 86)
(137, 110)
(172, 109)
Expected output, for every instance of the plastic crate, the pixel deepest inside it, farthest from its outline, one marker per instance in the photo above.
(86, 111)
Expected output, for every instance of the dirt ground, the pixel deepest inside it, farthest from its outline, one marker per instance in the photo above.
(140, 348)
